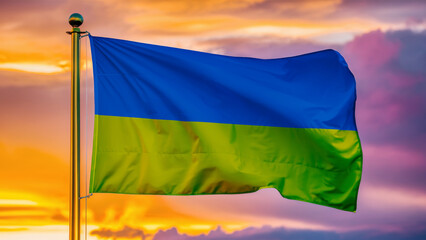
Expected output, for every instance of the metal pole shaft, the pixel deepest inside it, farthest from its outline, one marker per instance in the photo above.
(74, 217)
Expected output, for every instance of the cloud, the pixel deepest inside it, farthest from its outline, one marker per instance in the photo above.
(26, 164)
(412, 51)
(188, 6)
(384, 10)
(31, 67)
(291, 9)
(173, 22)
(125, 232)
(265, 232)
(261, 47)
(29, 5)
(218, 17)
(391, 105)
(36, 116)
(372, 50)
(12, 79)
(22, 215)
(395, 166)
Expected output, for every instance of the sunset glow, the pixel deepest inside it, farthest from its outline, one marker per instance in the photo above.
(384, 43)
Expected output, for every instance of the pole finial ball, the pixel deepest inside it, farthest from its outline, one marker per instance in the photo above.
(75, 20)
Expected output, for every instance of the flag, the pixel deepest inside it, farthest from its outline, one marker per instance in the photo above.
(171, 121)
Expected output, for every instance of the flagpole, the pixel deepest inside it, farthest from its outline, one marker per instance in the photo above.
(75, 20)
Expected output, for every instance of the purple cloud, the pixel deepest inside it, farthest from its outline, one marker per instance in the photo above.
(392, 11)
(265, 232)
(391, 79)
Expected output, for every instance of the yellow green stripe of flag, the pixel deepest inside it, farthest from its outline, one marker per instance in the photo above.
(188, 158)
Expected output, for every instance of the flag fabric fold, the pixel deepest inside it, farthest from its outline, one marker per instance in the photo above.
(179, 122)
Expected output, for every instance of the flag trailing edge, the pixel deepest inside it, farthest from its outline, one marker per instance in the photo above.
(179, 122)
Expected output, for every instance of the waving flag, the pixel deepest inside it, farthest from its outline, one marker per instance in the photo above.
(180, 122)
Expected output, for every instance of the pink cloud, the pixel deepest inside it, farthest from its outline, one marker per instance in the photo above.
(387, 67)
(371, 50)
(391, 156)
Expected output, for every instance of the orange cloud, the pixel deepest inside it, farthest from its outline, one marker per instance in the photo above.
(31, 48)
(26, 164)
(32, 67)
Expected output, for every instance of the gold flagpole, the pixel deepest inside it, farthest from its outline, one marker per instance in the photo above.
(75, 20)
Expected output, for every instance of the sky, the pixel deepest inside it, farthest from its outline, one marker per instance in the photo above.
(383, 41)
